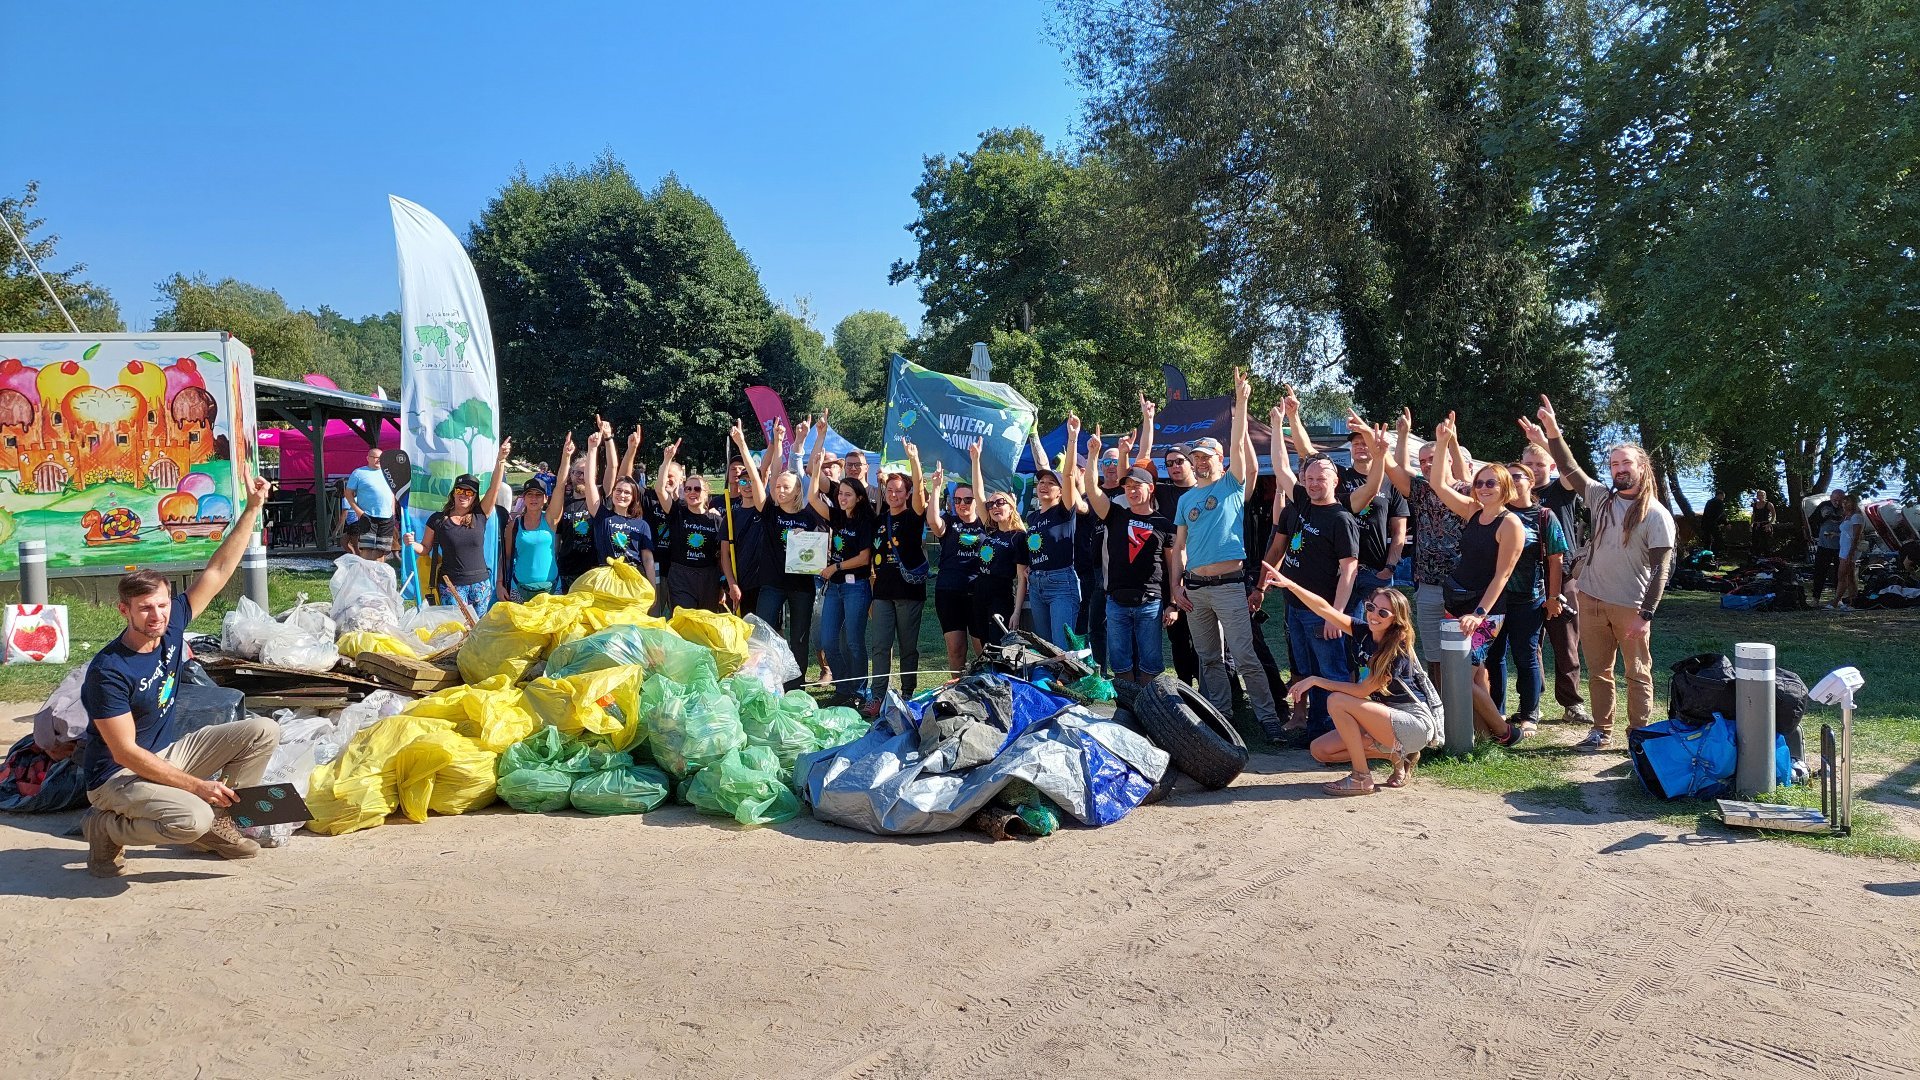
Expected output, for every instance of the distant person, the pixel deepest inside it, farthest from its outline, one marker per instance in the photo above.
(544, 474)
(370, 500)
(899, 580)
(1764, 516)
(1823, 532)
(1853, 529)
(1712, 517)
(145, 782)
(1625, 575)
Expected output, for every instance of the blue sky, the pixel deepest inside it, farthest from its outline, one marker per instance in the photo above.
(260, 141)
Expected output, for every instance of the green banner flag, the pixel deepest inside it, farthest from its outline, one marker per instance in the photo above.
(942, 414)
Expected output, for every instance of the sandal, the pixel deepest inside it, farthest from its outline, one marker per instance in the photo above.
(1401, 773)
(1350, 785)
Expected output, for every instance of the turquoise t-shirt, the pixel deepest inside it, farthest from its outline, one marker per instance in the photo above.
(1215, 517)
(533, 559)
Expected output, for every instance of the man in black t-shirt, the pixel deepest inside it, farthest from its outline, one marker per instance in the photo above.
(1563, 630)
(1317, 544)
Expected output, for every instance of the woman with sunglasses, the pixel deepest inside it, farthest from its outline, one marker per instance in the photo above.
(848, 597)
(1491, 537)
(899, 579)
(1533, 596)
(457, 536)
(1001, 586)
(696, 545)
(1052, 543)
(1392, 711)
(960, 532)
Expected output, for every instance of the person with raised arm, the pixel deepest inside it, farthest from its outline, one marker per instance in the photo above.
(1623, 576)
(579, 500)
(1208, 566)
(456, 537)
(1392, 709)
(848, 573)
(1436, 544)
(1000, 589)
(899, 579)
(1053, 543)
(146, 782)
(747, 571)
(528, 561)
(1379, 507)
(960, 532)
(1476, 592)
(1316, 540)
(1533, 593)
(1137, 536)
(696, 546)
(1563, 612)
(786, 600)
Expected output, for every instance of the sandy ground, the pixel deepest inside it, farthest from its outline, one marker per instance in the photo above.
(1260, 931)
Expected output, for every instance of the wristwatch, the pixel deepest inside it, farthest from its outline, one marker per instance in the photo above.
(1479, 613)
(1645, 614)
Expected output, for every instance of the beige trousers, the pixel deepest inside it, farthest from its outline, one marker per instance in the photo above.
(136, 811)
(1605, 632)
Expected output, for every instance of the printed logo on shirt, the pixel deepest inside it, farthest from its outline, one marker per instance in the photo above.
(1033, 542)
(971, 539)
(696, 540)
(1138, 533)
(986, 553)
(166, 692)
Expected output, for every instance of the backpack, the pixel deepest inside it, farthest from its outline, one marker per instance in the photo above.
(1674, 759)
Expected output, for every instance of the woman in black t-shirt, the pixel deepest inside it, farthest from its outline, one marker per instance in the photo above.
(786, 599)
(696, 546)
(960, 532)
(848, 596)
(899, 579)
(1001, 586)
(457, 537)
(620, 529)
(1052, 540)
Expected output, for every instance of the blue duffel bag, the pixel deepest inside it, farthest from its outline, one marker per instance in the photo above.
(1675, 759)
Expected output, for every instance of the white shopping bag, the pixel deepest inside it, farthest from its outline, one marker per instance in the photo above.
(36, 633)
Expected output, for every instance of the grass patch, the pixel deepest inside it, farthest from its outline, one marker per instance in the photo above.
(1533, 776)
(1874, 832)
(92, 625)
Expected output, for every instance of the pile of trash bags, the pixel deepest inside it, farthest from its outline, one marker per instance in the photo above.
(581, 701)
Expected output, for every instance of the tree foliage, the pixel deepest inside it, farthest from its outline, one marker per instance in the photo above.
(358, 356)
(25, 307)
(636, 305)
(863, 343)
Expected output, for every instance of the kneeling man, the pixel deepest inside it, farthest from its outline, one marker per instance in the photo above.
(147, 784)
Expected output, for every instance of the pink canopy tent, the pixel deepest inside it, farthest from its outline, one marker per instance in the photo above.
(345, 448)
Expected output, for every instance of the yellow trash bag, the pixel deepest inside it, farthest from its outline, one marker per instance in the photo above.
(442, 772)
(725, 634)
(493, 712)
(600, 708)
(344, 805)
(596, 619)
(360, 641)
(618, 584)
(513, 636)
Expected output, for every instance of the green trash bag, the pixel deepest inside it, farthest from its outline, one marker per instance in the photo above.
(785, 727)
(753, 697)
(657, 651)
(1093, 688)
(689, 727)
(746, 786)
(634, 789)
(837, 726)
(536, 774)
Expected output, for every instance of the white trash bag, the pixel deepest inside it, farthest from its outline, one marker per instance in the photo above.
(769, 657)
(366, 596)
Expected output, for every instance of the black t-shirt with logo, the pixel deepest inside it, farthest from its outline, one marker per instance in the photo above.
(851, 536)
(776, 524)
(656, 514)
(748, 550)
(899, 542)
(959, 553)
(1003, 552)
(573, 537)
(693, 539)
(1373, 520)
(1136, 555)
(1319, 537)
(1052, 537)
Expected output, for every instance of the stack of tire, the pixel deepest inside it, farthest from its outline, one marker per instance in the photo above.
(1180, 720)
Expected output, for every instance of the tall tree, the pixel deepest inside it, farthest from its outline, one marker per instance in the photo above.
(864, 342)
(286, 343)
(25, 307)
(603, 298)
(360, 354)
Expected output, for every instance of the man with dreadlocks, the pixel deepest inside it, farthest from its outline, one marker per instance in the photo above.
(1624, 573)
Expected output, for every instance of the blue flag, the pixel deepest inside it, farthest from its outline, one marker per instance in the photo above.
(943, 414)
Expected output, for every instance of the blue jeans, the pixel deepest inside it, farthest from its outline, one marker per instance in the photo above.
(1134, 638)
(1315, 655)
(843, 633)
(1055, 596)
(1519, 637)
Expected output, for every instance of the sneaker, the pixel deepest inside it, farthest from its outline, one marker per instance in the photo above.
(1275, 732)
(224, 840)
(1595, 740)
(1577, 714)
(105, 859)
(1515, 732)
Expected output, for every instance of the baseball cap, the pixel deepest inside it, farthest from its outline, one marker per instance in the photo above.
(1046, 474)
(1206, 446)
(532, 486)
(468, 481)
(1139, 475)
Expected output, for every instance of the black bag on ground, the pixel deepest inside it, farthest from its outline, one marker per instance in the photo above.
(1702, 685)
(33, 783)
(200, 702)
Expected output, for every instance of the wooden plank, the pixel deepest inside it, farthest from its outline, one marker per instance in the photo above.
(1756, 815)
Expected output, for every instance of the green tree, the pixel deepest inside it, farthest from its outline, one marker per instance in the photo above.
(360, 354)
(797, 364)
(286, 344)
(865, 343)
(25, 307)
(638, 306)
(465, 423)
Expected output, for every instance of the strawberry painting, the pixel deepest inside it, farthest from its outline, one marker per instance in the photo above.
(36, 641)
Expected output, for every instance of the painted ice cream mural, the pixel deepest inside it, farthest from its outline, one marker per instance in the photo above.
(117, 452)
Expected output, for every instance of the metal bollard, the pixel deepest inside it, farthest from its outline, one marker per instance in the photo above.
(1456, 687)
(33, 571)
(1753, 719)
(253, 571)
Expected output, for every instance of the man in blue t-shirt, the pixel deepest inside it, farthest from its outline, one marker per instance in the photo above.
(368, 494)
(1209, 567)
(147, 783)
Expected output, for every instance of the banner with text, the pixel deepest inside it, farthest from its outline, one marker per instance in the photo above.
(942, 415)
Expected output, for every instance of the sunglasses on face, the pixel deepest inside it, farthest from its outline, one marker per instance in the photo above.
(998, 504)
(963, 500)
(1383, 612)
(1487, 483)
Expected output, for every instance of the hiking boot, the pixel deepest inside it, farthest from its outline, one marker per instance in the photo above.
(224, 840)
(1577, 714)
(1595, 740)
(105, 859)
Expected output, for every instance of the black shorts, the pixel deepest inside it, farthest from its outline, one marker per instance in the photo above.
(379, 527)
(991, 596)
(952, 607)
